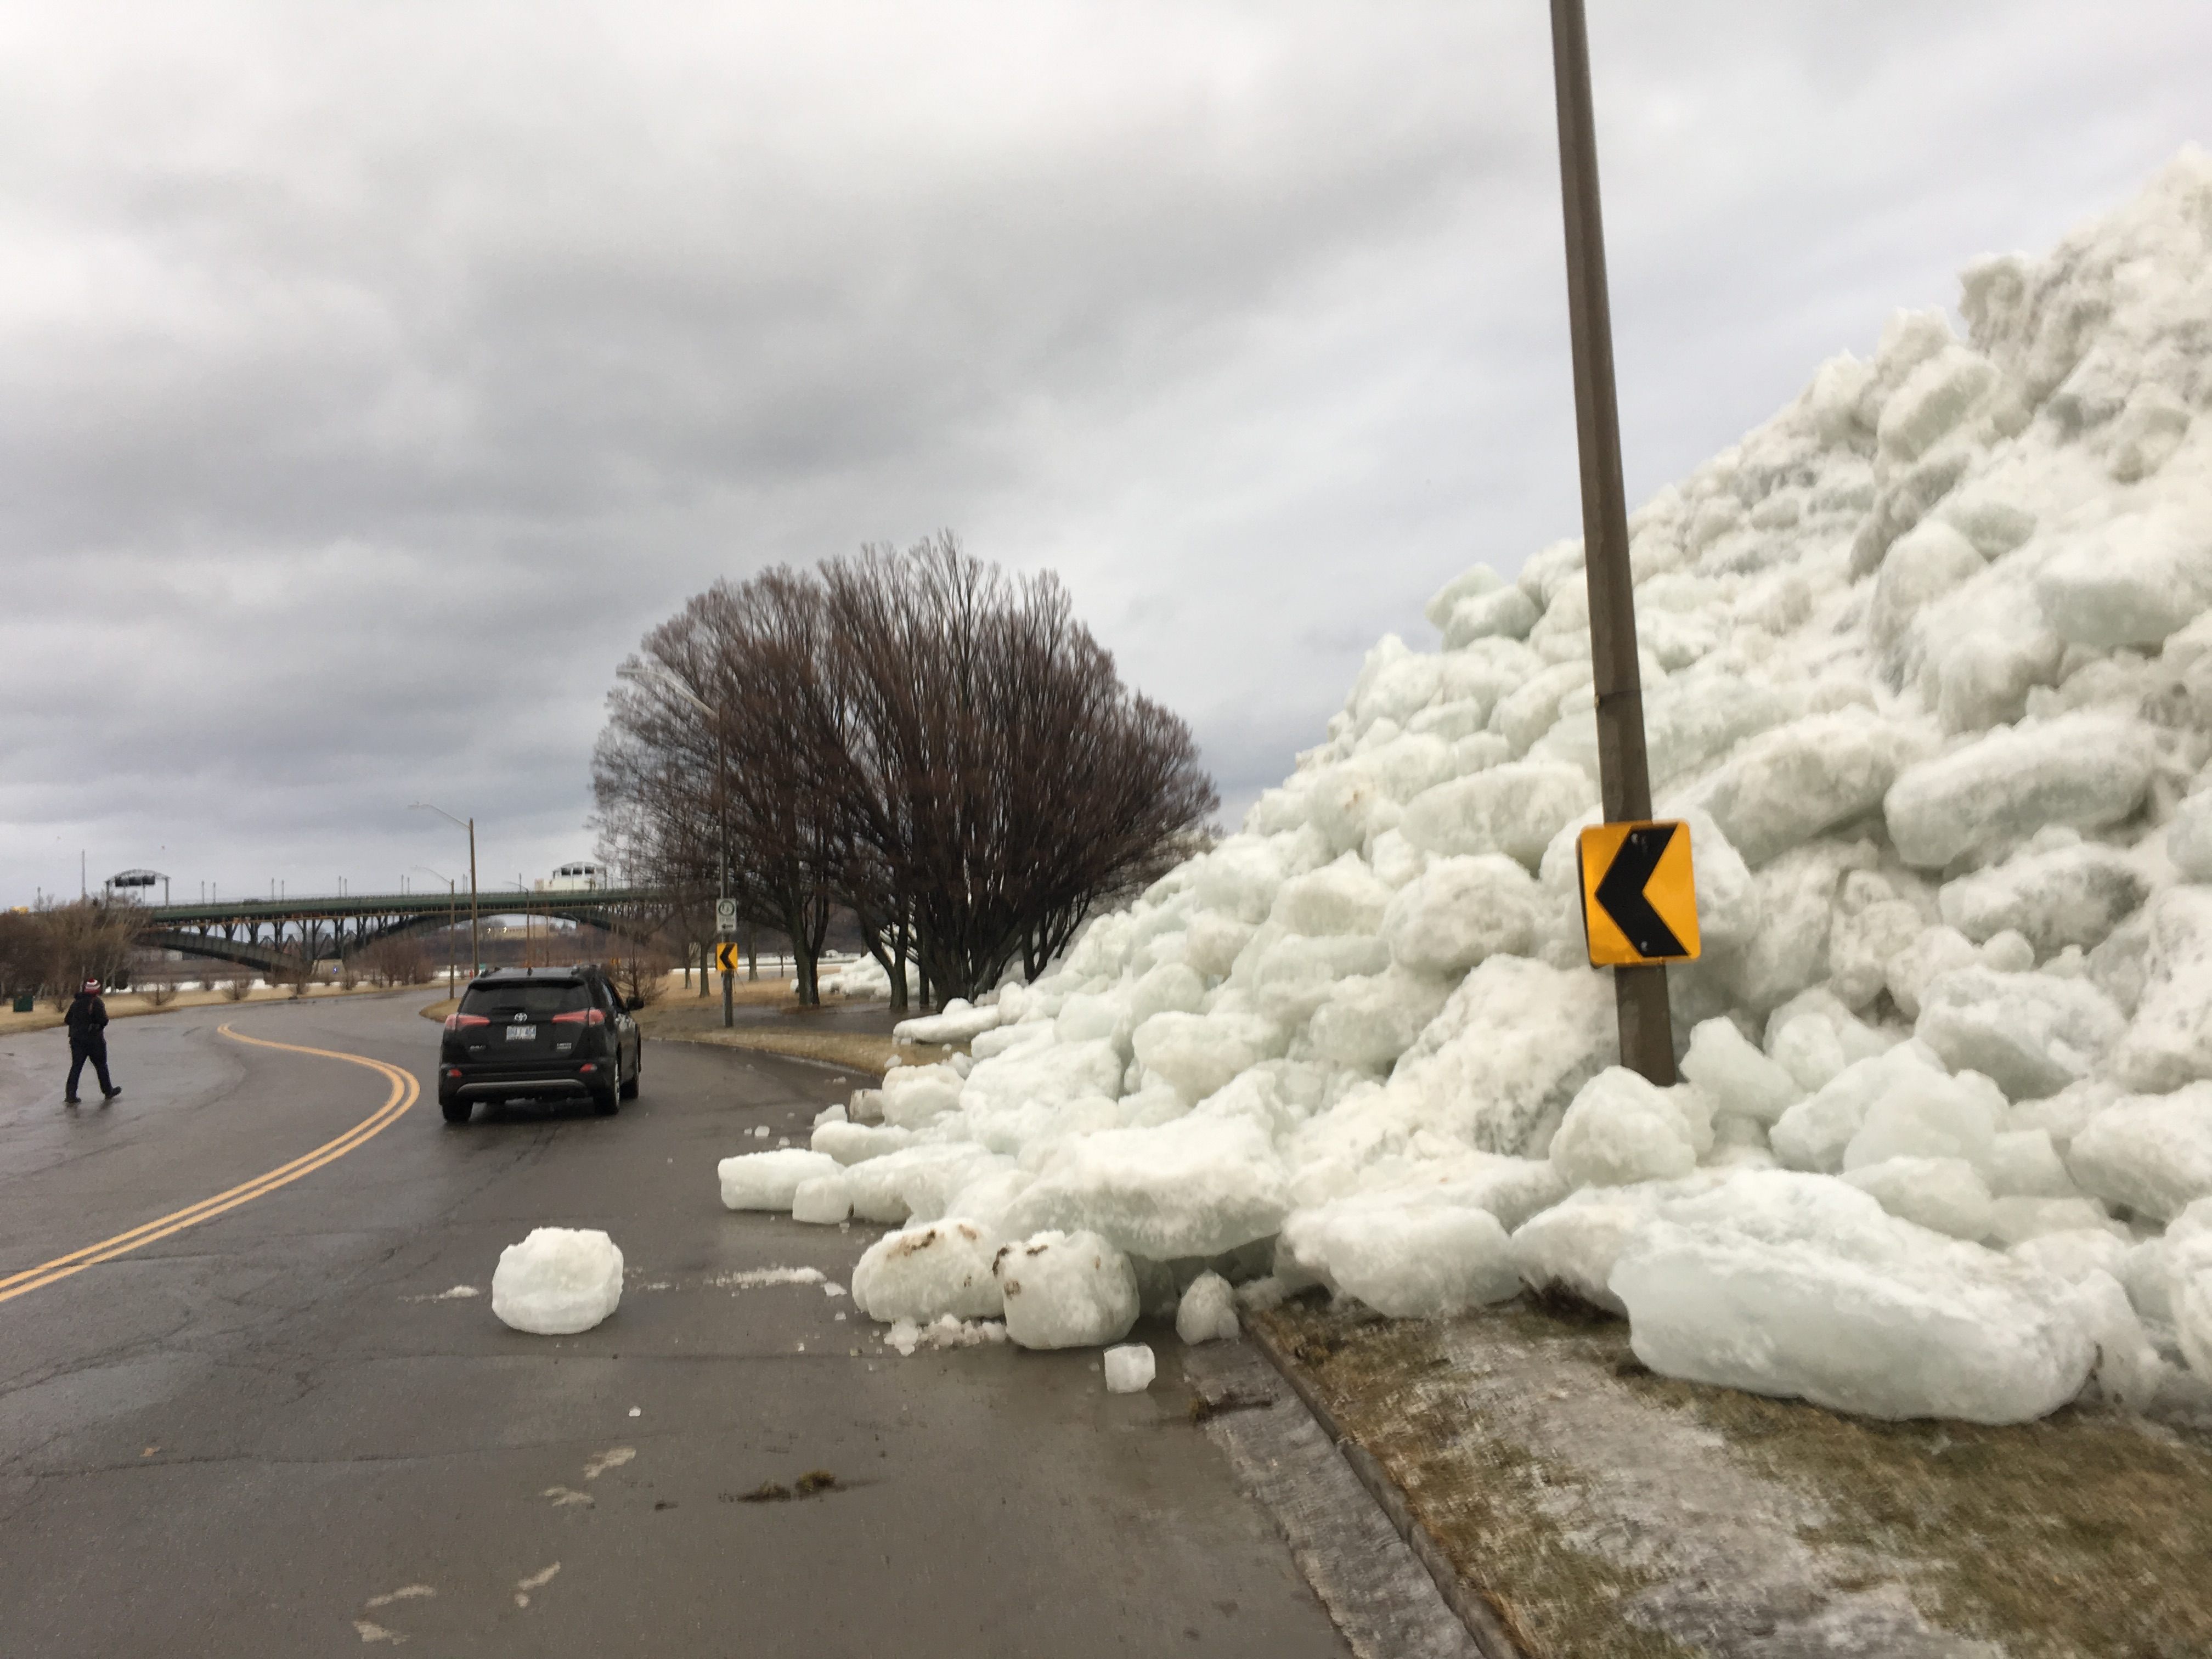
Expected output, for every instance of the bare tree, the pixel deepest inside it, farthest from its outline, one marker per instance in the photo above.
(640, 976)
(395, 960)
(939, 747)
(1007, 783)
(88, 938)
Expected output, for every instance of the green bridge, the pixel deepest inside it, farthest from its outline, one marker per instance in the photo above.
(274, 933)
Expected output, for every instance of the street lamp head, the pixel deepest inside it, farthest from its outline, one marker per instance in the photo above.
(646, 671)
(468, 825)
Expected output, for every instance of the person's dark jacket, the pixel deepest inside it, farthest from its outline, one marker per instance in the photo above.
(87, 1020)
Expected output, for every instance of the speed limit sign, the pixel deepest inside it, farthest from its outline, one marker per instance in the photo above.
(725, 915)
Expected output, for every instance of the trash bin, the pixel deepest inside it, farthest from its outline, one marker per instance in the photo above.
(27, 1002)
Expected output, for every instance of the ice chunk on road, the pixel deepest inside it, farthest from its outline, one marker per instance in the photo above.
(823, 1200)
(769, 1181)
(2152, 1153)
(2031, 1033)
(1407, 1260)
(1065, 1291)
(1739, 1081)
(922, 1272)
(1943, 1194)
(558, 1281)
(1207, 1312)
(1129, 1368)
(1622, 1129)
(1196, 1186)
(2083, 769)
(1797, 1286)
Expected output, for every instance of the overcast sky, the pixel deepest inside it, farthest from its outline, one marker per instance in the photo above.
(372, 377)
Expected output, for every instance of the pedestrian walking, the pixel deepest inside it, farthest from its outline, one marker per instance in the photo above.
(87, 1020)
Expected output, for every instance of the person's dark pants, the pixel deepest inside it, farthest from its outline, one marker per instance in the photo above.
(96, 1052)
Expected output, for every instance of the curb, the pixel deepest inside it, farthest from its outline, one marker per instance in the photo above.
(1483, 1626)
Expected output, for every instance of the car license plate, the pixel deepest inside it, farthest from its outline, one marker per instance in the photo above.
(522, 1033)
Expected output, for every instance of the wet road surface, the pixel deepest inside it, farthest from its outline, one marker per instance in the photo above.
(284, 1430)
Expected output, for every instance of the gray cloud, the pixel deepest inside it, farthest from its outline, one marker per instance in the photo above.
(370, 381)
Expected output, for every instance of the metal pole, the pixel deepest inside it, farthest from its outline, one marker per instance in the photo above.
(1647, 1041)
(475, 954)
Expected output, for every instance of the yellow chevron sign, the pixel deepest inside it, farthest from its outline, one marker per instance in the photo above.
(726, 956)
(1639, 897)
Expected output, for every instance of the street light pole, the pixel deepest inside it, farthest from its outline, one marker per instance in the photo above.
(449, 880)
(476, 953)
(1647, 1039)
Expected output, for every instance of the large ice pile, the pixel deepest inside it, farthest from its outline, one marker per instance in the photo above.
(1927, 668)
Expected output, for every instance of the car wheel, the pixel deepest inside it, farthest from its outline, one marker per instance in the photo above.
(628, 1090)
(456, 1111)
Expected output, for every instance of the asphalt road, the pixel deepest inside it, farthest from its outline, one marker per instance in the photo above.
(279, 1432)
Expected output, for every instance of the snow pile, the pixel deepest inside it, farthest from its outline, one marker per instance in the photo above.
(959, 1021)
(558, 1281)
(1928, 669)
(862, 978)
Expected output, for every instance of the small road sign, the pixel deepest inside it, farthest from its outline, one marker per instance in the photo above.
(726, 956)
(1639, 897)
(725, 915)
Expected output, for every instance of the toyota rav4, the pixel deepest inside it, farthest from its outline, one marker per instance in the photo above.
(533, 1032)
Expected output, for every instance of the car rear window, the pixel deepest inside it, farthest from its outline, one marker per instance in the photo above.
(537, 998)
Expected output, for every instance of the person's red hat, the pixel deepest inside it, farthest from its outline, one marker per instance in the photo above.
(92, 984)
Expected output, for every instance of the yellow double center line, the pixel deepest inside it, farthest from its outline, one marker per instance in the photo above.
(404, 1092)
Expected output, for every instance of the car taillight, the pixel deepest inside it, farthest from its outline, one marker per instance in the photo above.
(456, 1022)
(582, 1017)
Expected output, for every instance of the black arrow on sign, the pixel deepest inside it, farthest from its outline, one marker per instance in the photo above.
(1621, 891)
